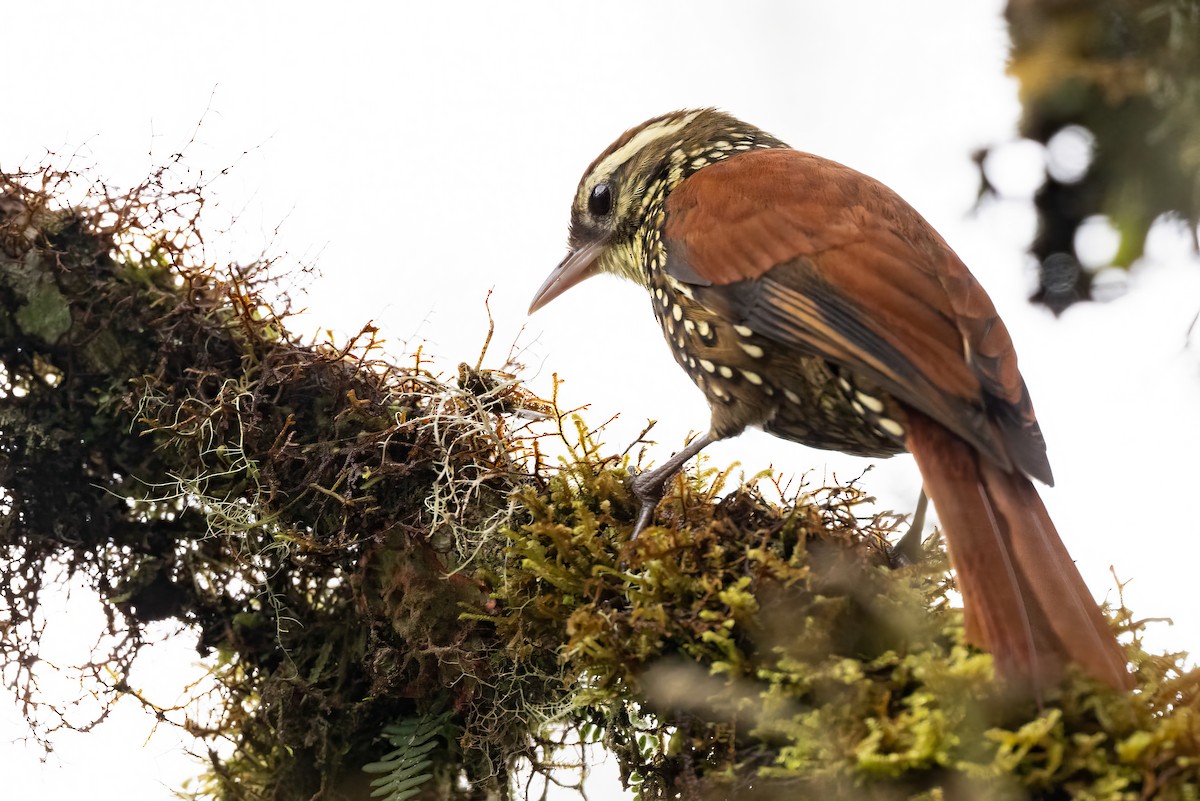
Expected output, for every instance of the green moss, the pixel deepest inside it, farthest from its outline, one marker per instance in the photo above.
(45, 313)
(776, 651)
(356, 543)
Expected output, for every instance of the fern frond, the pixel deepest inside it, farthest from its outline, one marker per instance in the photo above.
(404, 768)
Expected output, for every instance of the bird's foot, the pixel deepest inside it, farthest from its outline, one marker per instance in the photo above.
(649, 489)
(908, 550)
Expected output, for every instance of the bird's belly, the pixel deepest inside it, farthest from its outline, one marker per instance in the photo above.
(822, 413)
(785, 391)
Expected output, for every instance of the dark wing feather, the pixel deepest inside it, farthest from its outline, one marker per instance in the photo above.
(813, 254)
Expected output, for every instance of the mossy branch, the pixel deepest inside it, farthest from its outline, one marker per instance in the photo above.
(358, 542)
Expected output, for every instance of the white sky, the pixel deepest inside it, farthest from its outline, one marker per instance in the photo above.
(423, 154)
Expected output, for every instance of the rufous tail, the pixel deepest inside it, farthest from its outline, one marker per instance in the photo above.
(1023, 598)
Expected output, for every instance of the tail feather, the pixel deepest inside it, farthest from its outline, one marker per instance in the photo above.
(1023, 598)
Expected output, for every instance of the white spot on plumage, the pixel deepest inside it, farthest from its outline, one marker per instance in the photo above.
(677, 312)
(874, 404)
(891, 427)
(703, 328)
(689, 326)
(726, 372)
(679, 286)
(743, 331)
(752, 377)
(791, 396)
(753, 351)
(707, 365)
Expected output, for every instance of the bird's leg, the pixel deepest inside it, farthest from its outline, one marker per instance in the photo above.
(908, 550)
(649, 486)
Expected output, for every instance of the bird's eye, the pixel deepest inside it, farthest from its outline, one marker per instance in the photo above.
(600, 201)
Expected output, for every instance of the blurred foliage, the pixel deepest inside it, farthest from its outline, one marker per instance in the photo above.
(390, 582)
(1122, 76)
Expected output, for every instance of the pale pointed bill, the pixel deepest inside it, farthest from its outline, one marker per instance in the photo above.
(578, 266)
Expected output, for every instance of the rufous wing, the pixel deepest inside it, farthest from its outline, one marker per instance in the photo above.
(818, 256)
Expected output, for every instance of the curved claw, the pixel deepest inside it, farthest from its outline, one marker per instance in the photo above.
(645, 518)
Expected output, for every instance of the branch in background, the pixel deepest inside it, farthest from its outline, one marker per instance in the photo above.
(1112, 89)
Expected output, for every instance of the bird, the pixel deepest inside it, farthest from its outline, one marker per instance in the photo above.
(811, 301)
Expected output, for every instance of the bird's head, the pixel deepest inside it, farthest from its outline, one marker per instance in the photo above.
(619, 203)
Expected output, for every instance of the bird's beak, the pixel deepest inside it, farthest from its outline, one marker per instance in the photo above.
(576, 267)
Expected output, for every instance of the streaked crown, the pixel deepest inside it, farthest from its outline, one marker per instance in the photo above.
(617, 215)
(624, 188)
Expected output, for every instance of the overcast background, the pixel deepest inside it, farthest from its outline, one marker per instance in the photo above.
(422, 154)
